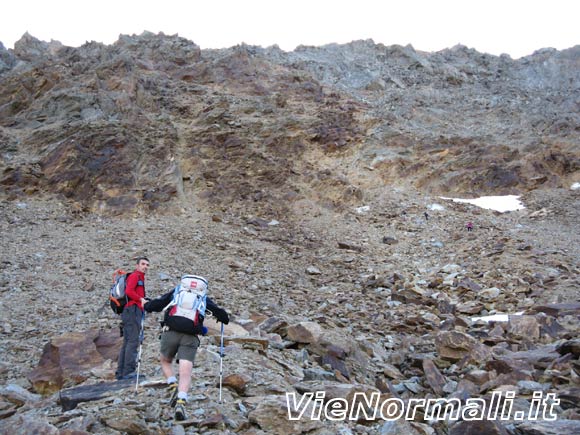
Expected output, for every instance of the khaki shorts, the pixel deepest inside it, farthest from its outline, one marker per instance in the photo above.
(180, 344)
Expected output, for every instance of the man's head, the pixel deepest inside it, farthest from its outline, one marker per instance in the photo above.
(142, 264)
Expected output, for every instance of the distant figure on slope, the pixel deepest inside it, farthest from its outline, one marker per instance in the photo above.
(426, 216)
(469, 226)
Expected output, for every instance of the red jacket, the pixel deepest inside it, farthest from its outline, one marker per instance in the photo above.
(135, 289)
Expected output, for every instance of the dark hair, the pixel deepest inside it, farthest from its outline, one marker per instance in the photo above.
(142, 258)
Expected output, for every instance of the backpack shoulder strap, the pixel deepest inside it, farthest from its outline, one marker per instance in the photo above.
(174, 299)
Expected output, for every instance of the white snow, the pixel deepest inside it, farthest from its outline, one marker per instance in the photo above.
(498, 203)
(575, 186)
(436, 207)
(496, 317)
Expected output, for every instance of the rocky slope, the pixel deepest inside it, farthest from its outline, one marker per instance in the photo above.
(152, 119)
(247, 166)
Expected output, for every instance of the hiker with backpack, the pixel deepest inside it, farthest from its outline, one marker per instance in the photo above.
(132, 316)
(185, 309)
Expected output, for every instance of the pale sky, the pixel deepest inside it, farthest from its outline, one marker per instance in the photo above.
(515, 27)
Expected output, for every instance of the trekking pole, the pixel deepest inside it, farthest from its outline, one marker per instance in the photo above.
(221, 360)
(141, 336)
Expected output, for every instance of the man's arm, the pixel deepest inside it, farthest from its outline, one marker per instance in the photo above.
(219, 313)
(131, 287)
(159, 303)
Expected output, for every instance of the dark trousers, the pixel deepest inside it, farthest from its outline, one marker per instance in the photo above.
(131, 318)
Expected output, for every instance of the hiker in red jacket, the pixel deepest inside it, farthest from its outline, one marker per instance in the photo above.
(469, 226)
(132, 320)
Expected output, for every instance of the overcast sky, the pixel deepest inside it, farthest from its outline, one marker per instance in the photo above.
(515, 27)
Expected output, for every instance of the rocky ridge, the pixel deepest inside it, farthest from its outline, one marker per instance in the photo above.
(247, 166)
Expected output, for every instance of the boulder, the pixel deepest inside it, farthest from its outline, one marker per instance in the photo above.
(455, 346)
(125, 420)
(304, 332)
(271, 415)
(236, 382)
(524, 326)
(69, 358)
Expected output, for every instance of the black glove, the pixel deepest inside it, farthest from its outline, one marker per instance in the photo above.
(221, 315)
(147, 307)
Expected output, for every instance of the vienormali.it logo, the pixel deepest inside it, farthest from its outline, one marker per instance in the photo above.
(367, 406)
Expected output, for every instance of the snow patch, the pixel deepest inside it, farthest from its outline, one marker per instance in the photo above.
(497, 203)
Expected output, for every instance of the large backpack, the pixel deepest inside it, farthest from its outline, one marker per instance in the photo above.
(117, 296)
(186, 311)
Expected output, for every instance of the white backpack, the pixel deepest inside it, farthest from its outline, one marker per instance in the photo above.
(189, 298)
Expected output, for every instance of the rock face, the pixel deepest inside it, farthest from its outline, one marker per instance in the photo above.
(302, 185)
(152, 120)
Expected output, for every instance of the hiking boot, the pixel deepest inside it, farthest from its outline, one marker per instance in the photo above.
(180, 410)
(172, 388)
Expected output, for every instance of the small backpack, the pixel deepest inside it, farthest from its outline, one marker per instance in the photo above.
(117, 296)
(189, 301)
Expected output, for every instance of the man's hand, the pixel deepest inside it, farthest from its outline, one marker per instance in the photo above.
(222, 316)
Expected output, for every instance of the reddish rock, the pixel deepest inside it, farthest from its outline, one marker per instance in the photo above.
(236, 382)
(68, 359)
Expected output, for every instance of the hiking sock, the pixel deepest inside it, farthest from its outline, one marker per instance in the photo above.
(182, 395)
(172, 380)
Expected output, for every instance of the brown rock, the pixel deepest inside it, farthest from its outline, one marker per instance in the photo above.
(67, 359)
(468, 284)
(569, 398)
(505, 379)
(557, 310)
(478, 377)
(335, 363)
(483, 427)
(212, 422)
(454, 346)
(392, 372)
(236, 382)
(232, 329)
(73, 432)
(253, 342)
(556, 427)
(125, 420)
(17, 395)
(349, 246)
(465, 389)
(540, 357)
(27, 424)
(524, 326)
(273, 324)
(434, 377)
(304, 332)
(471, 307)
(271, 415)
(570, 346)
(505, 365)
